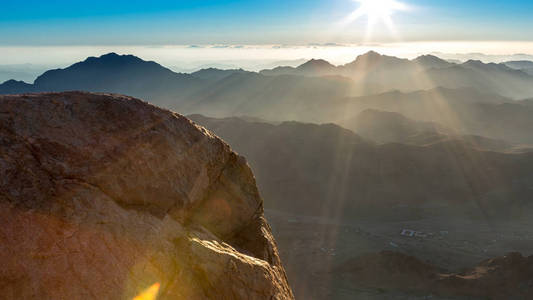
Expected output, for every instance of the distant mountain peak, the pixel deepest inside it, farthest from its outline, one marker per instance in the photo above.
(113, 57)
(217, 74)
(372, 53)
(373, 58)
(108, 72)
(110, 54)
(474, 62)
(429, 57)
(15, 87)
(13, 81)
(431, 61)
(369, 55)
(316, 63)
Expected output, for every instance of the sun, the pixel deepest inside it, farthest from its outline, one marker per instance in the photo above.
(376, 11)
(379, 8)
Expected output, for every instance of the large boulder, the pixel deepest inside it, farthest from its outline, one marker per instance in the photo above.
(102, 196)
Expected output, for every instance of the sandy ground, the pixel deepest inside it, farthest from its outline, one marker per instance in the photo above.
(311, 247)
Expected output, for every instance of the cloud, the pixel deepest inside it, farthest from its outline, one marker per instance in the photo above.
(282, 46)
(326, 45)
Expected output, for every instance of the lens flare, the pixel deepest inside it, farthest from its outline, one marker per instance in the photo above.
(150, 293)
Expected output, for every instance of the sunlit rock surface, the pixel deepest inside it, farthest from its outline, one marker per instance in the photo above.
(103, 196)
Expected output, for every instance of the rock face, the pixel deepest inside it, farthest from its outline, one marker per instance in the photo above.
(102, 196)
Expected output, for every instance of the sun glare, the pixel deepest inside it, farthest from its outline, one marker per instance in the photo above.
(380, 8)
(376, 11)
(150, 293)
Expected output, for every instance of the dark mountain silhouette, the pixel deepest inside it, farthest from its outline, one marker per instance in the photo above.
(125, 74)
(16, 87)
(330, 171)
(373, 61)
(431, 61)
(221, 90)
(376, 73)
(225, 93)
(370, 73)
(283, 70)
(364, 63)
(213, 74)
(313, 67)
(317, 65)
(114, 73)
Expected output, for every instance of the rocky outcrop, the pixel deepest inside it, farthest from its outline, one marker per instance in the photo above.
(102, 196)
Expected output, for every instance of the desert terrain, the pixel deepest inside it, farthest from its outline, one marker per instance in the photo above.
(314, 249)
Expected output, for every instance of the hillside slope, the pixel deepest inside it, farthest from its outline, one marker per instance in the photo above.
(330, 171)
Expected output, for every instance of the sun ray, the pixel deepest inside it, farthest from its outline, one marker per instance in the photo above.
(375, 11)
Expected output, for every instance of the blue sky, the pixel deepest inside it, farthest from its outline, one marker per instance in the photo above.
(291, 22)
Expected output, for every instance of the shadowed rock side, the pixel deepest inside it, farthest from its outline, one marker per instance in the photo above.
(102, 196)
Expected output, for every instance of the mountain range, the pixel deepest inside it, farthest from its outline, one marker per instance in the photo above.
(328, 170)
(369, 73)
(389, 127)
(525, 66)
(466, 111)
(471, 98)
(375, 73)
